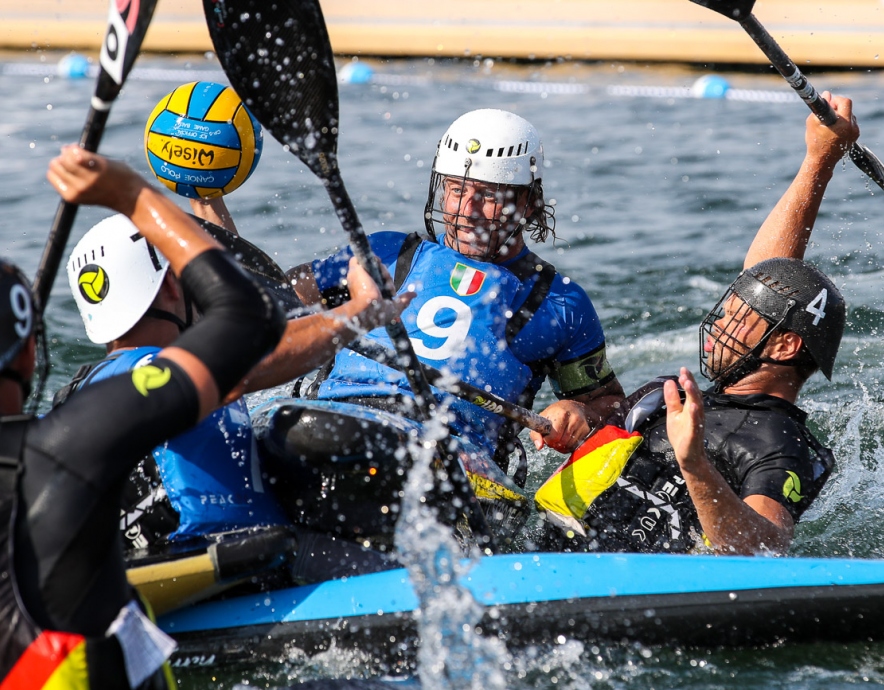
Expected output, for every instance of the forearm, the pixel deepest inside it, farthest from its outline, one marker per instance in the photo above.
(168, 228)
(215, 211)
(308, 342)
(786, 230)
(82, 177)
(729, 524)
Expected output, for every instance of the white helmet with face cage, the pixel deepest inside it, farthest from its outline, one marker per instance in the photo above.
(491, 146)
(494, 147)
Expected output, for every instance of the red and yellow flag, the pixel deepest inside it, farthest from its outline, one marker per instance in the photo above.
(54, 661)
(590, 471)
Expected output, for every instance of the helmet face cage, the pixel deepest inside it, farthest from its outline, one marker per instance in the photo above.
(508, 218)
(731, 359)
(503, 152)
(795, 297)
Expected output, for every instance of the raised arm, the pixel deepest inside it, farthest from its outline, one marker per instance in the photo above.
(240, 322)
(310, 341)
(786, 231)
(215, 211)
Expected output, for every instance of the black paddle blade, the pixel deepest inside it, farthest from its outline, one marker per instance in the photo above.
(278, 58)
(868, 162)
(125, 32)
(732, 9)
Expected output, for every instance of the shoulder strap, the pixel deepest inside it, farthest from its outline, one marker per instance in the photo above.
(526, 267)
(12, 443)
(82, 378)
(64, 393)
(406, 256)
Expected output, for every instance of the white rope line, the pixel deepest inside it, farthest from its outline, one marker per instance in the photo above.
(505, 86)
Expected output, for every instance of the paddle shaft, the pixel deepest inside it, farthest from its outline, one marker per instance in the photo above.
(411, 366)
(862, 157)
(66, 212)
(465, 391)
(126, 27)
(454, 474)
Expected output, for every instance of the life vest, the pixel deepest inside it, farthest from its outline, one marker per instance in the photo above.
(461, 309)
(31, 657)
(608, 497)
(203, 481)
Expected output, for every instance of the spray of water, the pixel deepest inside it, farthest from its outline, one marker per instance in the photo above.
(453, 654)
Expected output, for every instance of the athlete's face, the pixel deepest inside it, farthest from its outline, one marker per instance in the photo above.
(480, 218)
(733, 334)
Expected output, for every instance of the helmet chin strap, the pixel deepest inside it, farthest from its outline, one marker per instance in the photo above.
(155, 313)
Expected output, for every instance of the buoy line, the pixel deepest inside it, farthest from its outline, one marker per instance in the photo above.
(709, 86)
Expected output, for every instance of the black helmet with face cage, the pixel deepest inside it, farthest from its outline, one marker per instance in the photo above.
(790, 295)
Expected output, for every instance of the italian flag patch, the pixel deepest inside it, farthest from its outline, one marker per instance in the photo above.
(466, 281)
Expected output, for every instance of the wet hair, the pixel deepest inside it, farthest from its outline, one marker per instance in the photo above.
(542, 222)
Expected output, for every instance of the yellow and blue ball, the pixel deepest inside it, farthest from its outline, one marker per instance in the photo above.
(201, 141)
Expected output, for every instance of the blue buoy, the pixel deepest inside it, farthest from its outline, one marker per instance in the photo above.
(355, 73)
(73, 66)
(710, 86)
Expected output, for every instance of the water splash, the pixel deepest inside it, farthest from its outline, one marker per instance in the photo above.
(855, 493)
(453, 655)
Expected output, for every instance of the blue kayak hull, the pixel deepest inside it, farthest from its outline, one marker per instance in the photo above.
(538, 598)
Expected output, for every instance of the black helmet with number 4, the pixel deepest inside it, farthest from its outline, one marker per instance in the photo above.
(790, 295)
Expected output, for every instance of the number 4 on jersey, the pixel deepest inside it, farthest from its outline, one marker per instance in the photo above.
(817, 307)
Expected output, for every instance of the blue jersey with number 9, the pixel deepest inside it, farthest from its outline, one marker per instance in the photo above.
(457, 323)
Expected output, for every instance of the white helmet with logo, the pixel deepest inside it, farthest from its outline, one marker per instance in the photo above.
(115, 276)
(491, 146)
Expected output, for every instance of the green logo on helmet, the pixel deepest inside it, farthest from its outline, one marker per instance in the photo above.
(473, 146)
(792, 487)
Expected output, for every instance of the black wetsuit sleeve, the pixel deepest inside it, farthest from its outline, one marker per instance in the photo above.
(75, 460)
(241, 322)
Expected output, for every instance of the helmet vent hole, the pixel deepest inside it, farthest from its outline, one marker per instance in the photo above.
(489, 153)
(500, 152)
(778, 286)
(510, 152)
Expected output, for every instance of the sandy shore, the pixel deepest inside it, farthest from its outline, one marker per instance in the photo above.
(821, 33)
